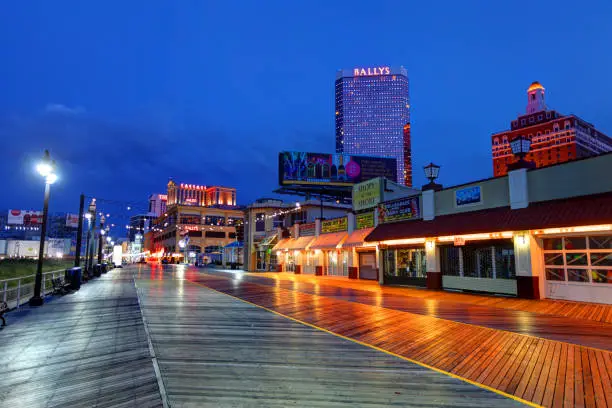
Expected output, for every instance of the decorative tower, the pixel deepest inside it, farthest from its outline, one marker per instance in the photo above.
(535, 98)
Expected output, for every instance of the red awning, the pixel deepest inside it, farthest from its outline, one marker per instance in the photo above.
(357, 238)
(585, 210)
(328, 241)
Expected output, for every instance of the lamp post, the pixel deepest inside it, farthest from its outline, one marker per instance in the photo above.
(100, 238)
(45, 168)
(431, 173)
(520, 145)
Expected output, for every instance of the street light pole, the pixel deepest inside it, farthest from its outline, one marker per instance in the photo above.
(46, 169)
(100, 238)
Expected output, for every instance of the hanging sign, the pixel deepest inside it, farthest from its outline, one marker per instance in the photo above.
(399, 210)
(335, 225)
(365, 220)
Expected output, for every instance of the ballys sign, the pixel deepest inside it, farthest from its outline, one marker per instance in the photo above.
(371, 71)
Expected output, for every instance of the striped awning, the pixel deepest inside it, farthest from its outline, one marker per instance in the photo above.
(356, 238)
(329, 241)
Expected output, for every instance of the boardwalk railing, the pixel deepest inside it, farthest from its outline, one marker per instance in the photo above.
(17, 291)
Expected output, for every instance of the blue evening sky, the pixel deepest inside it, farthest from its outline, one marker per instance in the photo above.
(128, 93)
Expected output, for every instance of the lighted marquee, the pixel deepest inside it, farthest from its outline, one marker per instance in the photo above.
(371, 71)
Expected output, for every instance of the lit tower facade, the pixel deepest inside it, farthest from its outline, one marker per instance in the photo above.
(373, 115)
(555, 138)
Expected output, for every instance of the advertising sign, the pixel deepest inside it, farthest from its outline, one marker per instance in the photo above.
(365, 220)
(459, 241)
(335, 225)
(468, 196)
(367, 194)
(301, 168)
(72, 220)
(23, 217)
(399, 210)
(307, 230)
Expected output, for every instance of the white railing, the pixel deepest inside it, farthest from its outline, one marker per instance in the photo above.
(17, 291)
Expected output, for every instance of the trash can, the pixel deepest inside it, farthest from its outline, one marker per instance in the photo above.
(97, 270)
(104, 267)
(74, 277)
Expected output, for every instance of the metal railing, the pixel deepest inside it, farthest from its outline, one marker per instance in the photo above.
(17, 291)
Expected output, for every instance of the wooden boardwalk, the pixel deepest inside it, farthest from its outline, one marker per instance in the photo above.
(87, 349)
(543, 371)
(579, 310)
(571, 330)
(217, 351)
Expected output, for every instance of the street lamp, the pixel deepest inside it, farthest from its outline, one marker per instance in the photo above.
(520, 145)
(431, 173)
(46, 168)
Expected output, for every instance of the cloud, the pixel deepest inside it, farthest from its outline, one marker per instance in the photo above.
(59, 109)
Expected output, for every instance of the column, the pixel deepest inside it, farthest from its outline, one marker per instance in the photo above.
(528, 263)
(432, 265)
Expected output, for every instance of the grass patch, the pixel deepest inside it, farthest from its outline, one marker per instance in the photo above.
(15, 268)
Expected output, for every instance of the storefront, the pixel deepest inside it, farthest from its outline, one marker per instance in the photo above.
(404, 265)
(578, 266)
(265, 257)
(352, 247)
(292, 255)
(328, 258)
(479, 266)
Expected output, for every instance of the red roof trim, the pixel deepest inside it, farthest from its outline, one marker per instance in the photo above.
(585, 210)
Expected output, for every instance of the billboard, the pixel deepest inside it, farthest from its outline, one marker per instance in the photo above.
(24, 217)
(399, 210)
(72, 220)
(301, 168)
(367, 194)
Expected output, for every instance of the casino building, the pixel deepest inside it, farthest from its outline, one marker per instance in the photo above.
(207, 218)
(373, 115)
(555, 138)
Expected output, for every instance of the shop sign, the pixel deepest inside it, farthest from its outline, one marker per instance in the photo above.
(367, 194)
(335, 225)
(399, 210)
(459, 241)
(365, 220)
(307, 230)
(468, 196)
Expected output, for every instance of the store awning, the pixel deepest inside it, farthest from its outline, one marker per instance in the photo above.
(301, 243)
(292, 244)
(235, 244)
(328, 241)
(357, 238)
(578, 211)
(283, 244)
(267, 241)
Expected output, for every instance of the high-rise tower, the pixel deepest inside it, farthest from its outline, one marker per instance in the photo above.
(373, 115)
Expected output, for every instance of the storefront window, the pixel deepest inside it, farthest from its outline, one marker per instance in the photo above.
(190, 219)
(405, 262)
(579, 259)
(555, 274)
(214, 220)
(480, 260)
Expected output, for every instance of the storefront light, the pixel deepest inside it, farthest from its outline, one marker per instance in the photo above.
(475, 237)
(586, 228)
(407, 241)
(430, 245)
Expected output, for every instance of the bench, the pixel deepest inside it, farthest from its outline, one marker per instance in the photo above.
(3, 309)
(60, 288)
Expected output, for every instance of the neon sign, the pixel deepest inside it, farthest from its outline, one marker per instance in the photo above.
(371, 71)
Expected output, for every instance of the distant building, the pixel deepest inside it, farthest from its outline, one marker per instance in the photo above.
(139, 225)
(373, 115)
(205, 219)
(157, 204)
(555, 138)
